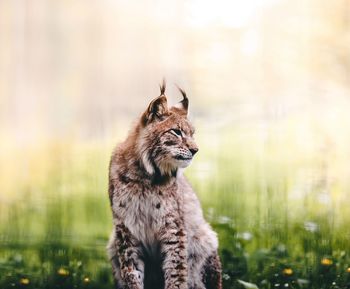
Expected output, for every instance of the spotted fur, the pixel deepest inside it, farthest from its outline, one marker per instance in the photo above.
(160, 238)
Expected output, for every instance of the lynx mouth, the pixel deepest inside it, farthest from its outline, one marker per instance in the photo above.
(180, 157)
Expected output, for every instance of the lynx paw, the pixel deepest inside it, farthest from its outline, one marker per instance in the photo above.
(133, 280)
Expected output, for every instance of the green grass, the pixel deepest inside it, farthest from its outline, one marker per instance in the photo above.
(280, 209)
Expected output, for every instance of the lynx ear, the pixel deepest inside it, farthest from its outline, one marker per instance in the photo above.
(157, 110)
(183, 104)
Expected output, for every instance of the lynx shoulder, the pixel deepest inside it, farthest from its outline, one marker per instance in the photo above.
(160, 238)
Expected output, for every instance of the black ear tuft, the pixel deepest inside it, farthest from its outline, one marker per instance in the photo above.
(162, 87)
(184, 102)
(185, 98)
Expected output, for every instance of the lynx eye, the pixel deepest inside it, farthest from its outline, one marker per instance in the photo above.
(177, 132)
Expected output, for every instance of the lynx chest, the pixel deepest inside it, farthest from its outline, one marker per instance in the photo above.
(144, 212)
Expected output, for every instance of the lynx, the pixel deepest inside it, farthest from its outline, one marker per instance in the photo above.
(160, 238)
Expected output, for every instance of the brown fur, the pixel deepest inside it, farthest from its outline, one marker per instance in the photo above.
(160, 238)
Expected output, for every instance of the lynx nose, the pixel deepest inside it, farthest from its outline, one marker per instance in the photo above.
(193, 151)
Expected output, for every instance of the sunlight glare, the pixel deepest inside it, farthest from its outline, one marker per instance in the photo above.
(225, 13)
(250, 42)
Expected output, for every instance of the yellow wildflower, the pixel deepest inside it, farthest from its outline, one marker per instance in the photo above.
(63, 272)
(348, 270)
(24, 281)
(86, 279)
(326, 262)
(287, 271)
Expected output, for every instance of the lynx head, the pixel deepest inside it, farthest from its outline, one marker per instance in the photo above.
(165, 140)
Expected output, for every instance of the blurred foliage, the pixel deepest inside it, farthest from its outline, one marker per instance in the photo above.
(276, 267)
(59, 265)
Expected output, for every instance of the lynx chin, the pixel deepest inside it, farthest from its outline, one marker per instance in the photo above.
(160, 238)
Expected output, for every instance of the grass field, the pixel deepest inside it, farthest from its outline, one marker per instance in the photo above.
(279, 202)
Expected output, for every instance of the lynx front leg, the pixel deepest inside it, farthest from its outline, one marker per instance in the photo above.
(212, 272)
(174, 250)
(131, 266)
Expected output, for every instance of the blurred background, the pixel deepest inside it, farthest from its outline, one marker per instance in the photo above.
(269, 89)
